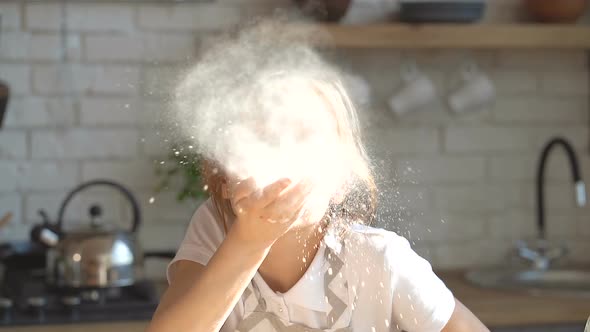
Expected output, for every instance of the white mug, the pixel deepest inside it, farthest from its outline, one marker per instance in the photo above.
(417, 92)
(360, 90)
(475, 91)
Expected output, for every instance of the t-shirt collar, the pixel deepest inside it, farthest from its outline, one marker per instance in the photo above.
(309, 291)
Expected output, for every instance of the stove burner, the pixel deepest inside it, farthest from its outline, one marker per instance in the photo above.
(37, 305)
(25, 299)
(72, 305)
(6, 305)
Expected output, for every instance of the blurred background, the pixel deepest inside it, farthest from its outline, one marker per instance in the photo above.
(456, 114)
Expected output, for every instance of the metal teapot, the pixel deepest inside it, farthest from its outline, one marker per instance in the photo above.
(97, 256)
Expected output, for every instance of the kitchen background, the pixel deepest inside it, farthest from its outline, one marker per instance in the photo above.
(463, 185)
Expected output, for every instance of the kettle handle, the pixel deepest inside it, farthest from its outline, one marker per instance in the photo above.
(136, 219)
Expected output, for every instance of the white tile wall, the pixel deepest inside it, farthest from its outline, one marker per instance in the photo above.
(188, 17)
(8, 177)
(98, 116)
(100, 17)
(89, 79)
(11, 16)
(42, 16)
(85, 144)
(104, 111)
(19, 77)
(13, 145)
(38, 112)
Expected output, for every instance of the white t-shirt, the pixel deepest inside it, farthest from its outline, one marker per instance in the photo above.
(395, 288)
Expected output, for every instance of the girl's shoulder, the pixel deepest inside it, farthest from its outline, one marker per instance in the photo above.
(205, 228)
(379, 247)
(376, 239)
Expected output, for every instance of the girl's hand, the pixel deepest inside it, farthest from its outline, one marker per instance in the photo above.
(265, 215)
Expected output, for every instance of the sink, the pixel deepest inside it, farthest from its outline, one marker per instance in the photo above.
(575, 282)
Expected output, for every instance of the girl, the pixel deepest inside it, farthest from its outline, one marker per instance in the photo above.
(293, 255)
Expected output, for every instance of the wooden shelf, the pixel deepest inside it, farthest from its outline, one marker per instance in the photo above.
(468, 36)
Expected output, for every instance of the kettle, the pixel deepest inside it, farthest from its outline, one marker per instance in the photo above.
(96, 256)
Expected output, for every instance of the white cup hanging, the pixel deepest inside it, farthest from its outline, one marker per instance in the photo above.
(417, 91)
(475, 91)
(359, 88)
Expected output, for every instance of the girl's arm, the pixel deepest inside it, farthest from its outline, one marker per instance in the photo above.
(463, 320)
(201, 298)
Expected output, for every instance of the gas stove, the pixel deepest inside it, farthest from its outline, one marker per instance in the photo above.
(25, 299)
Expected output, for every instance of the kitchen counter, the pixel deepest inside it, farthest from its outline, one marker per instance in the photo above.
(498, 308)
(495, 308)
(98, 327)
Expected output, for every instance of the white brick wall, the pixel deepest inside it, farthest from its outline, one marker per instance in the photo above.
(109, 111)
(18, 76)
(532, 108)
(154, 143)
(103, 114)
(148, 47)
(85, 144)
(403, 140)
(134, 174)
(515, 80)
(188, 17)
(11, 16)
(42, 16)
(8, 176)
(77, 211)
(472, 139)
(37, 112)
(441, 169)
(11, 202)
(454, 255)
(113, 47)
(476, 198)
(160, 80)
(513, 225)
(111, 79)
(564, 83)
(13, 145)
(47, 175)
(18, 46)
(440, 229)
(165, 210)
(87, 17)
(100, 17)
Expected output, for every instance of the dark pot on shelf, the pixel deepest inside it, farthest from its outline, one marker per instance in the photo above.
(556, 11)
(324, 10)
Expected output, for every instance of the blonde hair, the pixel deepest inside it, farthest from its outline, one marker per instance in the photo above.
(236, 63)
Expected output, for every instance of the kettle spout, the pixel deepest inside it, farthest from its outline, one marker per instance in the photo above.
(48, 237)
(44, 233)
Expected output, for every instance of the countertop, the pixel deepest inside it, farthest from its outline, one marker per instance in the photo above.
(495, 308)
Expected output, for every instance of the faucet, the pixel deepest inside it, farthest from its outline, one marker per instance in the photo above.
(579, 187)
(541, 254)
